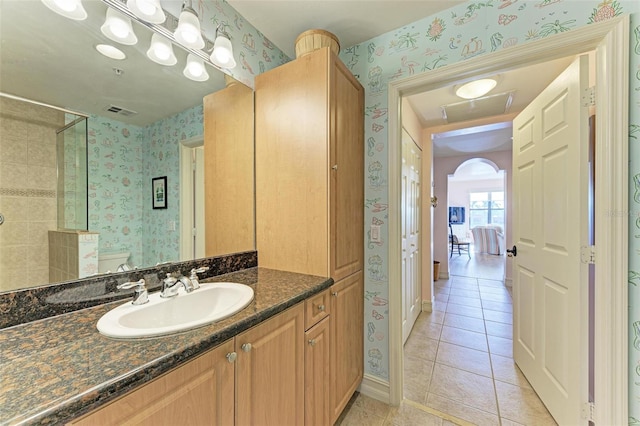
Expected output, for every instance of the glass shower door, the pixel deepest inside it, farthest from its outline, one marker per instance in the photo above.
(71, 146)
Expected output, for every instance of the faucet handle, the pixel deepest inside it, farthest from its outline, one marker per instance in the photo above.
(194, 276)
(141, 295)
(170, 279)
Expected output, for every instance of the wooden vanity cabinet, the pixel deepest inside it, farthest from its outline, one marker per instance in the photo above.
(346, 341)
(310, 195)
(228, 171)
(270, 371)
(317, 396)
(199, 392)
(310, 167)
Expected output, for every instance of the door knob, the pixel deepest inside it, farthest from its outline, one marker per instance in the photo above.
(513, 252)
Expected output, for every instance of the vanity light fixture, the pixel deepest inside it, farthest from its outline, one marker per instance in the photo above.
(71, 9)
(118, 28)
(161, 51)
(111, 51)
(188, 31)
(195, 70)
(147, 10)
(222, 54)
(475, 89)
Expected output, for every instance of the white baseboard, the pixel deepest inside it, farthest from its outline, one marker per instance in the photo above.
(508, 282)
(443, 275)
(427, 306)
(375, 388)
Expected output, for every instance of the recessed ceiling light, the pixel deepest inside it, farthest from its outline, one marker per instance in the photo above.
(475, 89)
(111, 51)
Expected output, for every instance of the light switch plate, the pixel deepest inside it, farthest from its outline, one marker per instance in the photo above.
(374, 235)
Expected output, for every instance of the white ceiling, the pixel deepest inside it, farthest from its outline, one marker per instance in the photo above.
(52, 59)
(356, 21)
(352, 21)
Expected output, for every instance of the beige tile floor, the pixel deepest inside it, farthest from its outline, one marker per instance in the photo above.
(458, 359)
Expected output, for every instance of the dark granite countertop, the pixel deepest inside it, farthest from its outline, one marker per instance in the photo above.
(55, 369)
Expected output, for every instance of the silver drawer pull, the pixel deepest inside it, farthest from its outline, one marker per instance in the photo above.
(231, 357)
(321, 308)
(246, 347)
(312, 342)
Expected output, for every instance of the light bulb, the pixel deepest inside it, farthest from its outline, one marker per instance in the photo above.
(118, 28)
(66, 5)
(195, 69)
(188, 31)
(161, 51)
(71, 9)
(147, 7)
(222, 54)
(147, 10)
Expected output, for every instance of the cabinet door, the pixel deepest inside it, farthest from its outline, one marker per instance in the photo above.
(292, 156)
(197, 393)
(347, 172)
(229, 171)
(316, 375)
(270, 371)
(347, 334)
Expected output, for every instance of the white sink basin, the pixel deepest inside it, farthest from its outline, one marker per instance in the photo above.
(211, 302)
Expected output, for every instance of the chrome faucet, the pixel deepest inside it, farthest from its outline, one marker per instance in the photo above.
(194, 276)
(141, 296)
(171, 285)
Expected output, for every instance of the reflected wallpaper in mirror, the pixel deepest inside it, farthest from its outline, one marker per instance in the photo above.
(42, 54)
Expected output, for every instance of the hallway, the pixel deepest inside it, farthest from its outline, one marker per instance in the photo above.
(458, 359)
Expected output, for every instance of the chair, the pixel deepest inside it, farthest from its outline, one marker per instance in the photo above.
(461, 246)
(488, 239)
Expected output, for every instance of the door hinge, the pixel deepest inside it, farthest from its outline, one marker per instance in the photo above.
(589, 97)
(588, 254)
(589, 412)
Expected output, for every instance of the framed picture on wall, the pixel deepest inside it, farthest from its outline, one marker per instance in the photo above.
(159, 189)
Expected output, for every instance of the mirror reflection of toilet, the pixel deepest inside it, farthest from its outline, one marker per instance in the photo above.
(113, 262)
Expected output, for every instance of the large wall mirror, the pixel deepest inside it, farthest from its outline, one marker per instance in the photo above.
(144, 124)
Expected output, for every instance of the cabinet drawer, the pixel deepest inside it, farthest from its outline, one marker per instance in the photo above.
(316, 308)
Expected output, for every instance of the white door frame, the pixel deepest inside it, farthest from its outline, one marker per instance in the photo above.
(610, 39)
(186, 195)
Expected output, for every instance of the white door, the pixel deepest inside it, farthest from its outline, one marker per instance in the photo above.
(192, 223)
(550, 308)
(411, 284)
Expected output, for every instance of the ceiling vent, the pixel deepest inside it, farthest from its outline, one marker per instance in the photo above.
(485, 106)
(120, 111)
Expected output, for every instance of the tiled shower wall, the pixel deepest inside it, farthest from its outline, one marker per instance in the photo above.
(27, 190)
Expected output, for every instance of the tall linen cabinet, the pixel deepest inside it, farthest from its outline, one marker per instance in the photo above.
(310, 194)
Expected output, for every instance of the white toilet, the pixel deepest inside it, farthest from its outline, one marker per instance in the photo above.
(111, 261)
